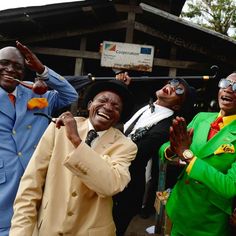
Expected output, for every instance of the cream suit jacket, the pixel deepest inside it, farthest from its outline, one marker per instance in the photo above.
(67, 191)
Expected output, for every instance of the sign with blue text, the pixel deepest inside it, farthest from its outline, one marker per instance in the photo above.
(127, 56)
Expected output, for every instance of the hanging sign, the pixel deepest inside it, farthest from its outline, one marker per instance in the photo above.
(127, 56)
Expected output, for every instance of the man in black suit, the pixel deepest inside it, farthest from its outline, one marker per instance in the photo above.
(149, 129)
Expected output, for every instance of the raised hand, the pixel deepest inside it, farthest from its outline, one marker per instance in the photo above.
(31, 60)
(124, 77)
(66, 119)
(180, 137)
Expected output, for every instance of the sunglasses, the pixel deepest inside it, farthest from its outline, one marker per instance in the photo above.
(225, 83)
(174, 83)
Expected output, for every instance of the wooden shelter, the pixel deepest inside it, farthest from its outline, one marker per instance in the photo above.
(67, 38)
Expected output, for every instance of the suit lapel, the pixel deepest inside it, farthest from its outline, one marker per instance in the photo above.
(6, 106)
(106, 140)
(225, 136)
(22, 98)
(82, 125)
(200, 137)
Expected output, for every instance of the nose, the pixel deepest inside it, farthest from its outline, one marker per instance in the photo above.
(229, 89)
(108, 106)
(172, 88)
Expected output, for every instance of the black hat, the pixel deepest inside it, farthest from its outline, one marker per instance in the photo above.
(115, 86)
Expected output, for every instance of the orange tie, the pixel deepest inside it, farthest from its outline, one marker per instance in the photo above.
(12, 98)
(215, 127)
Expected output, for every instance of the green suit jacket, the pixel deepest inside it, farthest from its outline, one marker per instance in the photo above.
(201, 202)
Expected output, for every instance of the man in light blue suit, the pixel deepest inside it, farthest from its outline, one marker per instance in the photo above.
(20, 129)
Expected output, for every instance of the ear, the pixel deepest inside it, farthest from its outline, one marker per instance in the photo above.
(89, 104)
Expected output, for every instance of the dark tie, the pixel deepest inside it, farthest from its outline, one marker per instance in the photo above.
(12, 98)
(215, 127)
(131, 126)
(91, 135)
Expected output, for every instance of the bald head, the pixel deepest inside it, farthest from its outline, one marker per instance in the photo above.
(11, 67)
(12, 54)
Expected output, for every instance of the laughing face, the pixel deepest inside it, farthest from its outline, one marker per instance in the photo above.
(11, 66)
(227, 98)
(105, 110)
(168, 97)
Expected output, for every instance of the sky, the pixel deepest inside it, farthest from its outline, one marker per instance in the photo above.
(9, 4)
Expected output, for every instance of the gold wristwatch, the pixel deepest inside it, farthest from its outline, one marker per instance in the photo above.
(188, 154)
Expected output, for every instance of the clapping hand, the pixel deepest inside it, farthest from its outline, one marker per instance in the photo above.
(180, 137)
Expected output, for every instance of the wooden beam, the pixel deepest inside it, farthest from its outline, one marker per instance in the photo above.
(77, 32)
(97, 56)
(131, 20)
(181, 42)
(67, 52)
(180, 64)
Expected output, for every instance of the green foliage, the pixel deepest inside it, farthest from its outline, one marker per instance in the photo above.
(218, 15)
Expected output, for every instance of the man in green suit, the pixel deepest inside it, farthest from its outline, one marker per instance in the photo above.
(200, 204)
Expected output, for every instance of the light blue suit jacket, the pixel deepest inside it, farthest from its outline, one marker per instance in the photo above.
(20, 131)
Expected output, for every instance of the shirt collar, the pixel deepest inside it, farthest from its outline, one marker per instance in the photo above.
(100, 133)
(227, 119)
(14, 92)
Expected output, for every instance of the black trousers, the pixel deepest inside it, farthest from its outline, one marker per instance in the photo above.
(128, 203)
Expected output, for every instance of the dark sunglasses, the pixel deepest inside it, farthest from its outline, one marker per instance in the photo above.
(225, 83)
(175, 83)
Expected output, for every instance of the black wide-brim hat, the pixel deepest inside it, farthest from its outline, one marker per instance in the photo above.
(115, 86)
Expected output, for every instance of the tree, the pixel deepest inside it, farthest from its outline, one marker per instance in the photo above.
(218, 15)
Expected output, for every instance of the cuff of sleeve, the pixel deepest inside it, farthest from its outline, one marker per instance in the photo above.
(169, 158)
(190, 165)
(44, 75)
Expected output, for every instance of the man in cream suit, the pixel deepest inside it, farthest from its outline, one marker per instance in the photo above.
(201, 202)
(67, 187)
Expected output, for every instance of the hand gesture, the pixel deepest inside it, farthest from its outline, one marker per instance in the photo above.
(31, 61)
(180, 137)
(67, 119)
(124, 77)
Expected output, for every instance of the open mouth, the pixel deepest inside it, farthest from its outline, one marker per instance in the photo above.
(103, 115)
(226, 99)
(167, 90)
(8, 77)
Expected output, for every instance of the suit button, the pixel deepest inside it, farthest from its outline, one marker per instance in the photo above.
(29, 126)
(61, 234)
(19, 154)
(70, 213)
(13, 132)
(74, 194)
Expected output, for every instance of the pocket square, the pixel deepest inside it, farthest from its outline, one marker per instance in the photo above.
(37, 103)
(225, 148)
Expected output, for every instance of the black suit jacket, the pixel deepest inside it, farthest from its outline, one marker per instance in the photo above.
(128, 203)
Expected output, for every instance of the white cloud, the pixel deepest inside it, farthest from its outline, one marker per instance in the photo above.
(9, 4)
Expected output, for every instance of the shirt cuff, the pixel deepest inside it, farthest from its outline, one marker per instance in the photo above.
(190, 165)
(44, 75)
(169, 158)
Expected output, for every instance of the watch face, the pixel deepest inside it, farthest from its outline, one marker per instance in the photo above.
(188, 154)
